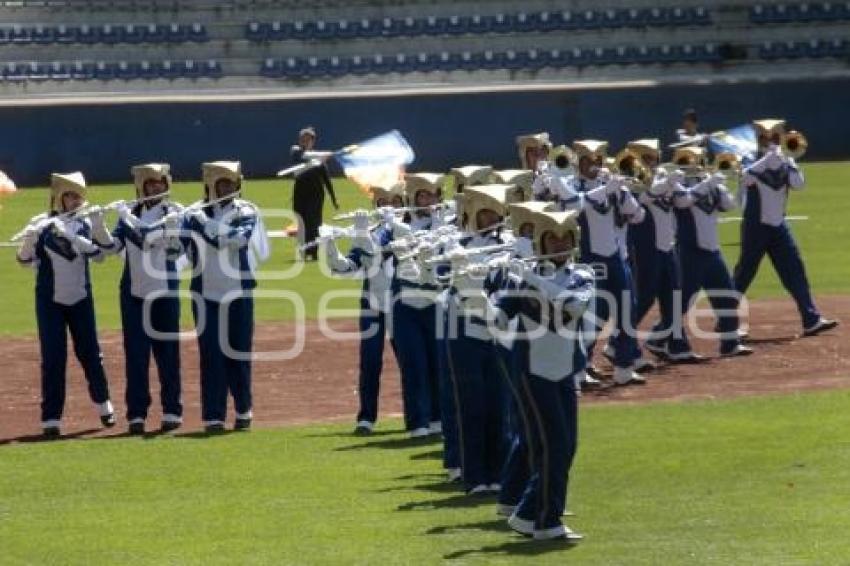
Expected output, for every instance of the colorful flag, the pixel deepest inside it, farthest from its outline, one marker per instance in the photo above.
(740, 140)
(376, 162)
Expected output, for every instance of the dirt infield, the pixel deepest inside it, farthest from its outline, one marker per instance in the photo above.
(320, 384)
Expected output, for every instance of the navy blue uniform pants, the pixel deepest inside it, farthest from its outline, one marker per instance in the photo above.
(220, 372)
(54, 322)
(481, 404)
(448, 400)
(778, 243)
(138, 347)
(373, 329)
(414, 333)
(614, 298)
(703, 269)
(553, 414)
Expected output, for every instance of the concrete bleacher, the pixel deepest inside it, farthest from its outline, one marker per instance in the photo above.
(85, 45)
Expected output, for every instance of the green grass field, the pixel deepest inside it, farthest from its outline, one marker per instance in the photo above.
(748, 481)
(822, 239)
(751, 481)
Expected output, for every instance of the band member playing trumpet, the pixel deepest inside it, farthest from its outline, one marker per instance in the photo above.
(764, 229)
(369, 260)
(533, 149)
(59, 249)
(149, 281)
(227, 241)
(699, 198)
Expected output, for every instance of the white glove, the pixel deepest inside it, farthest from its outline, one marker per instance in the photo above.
(198, 216)
(361, 221)
(547, 286)
(523, 247)
(470, 287)
(660, 186)
(68, 231)
(614, 185)
(171, 222)
(604, 175)
(214, 229)
(716, 179)
(336, 260)
(437, 219)
(98, 227)
(27, 249)
(125, 214)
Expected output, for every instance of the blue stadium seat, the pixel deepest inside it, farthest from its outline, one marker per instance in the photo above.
(338, 66)
(644, 55)
(635, 18)
(37, 71)
(293, 67)
(600, 56)
(548, 21)
(457, 25)
(658, 17)
(198, 33)
(20, 35)
(779, 14)
(315, 67)
(833, 12)
(167, 70)
(154, 33)
(556, 59)
(277, 31)
(523, 22)
(255, 31)
(435, 26)
(127, 71)
(177, 33)
(345, 29)
(480, 24)
(492, 60)
(838, 48)
(711, 54)
(132, 34)
(512, 61)
(270, 68)
(590, 19)
(579, 57)
(624, 55)
(325, 30)
(88, 34)
(680, 16)
(534, 59)
(58, 71)
(400, 63)
(795, 49)
(4, 39)
(104, 71)
(108, 34)
(366, 28)
(147, 71)
(14, 72)
(212, 69)
(759, 14)
(82, 71)
(390, 27)
(411, 27)
(360, 65)
(469, 61)
(502, 23)
(448, 61)
(613, 18)
(425, 63)
(701, 16)
(191, 69)
(43, 35)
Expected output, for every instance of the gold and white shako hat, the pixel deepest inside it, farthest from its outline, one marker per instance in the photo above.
(430, 182)
(63, 183)
(150, 172)
(387, 192)
(522, 214)
(489, 197)
(522, 178)
(689, 157)
(595, 149)
(470, 175)
(213, 171)
(562, 224)
(769, 126)
(648, 146)
(531, 141)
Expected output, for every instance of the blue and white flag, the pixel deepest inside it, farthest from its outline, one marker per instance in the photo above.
(740, 140)
(376, 162)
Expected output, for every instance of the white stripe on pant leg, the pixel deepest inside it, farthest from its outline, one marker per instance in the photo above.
(248, 415)
(169, 418)
(56, 423)
(106, 408)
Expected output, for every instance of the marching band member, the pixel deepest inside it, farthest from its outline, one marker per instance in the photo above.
(553, 182)
(227, 239)
(473, 356)
(308, 197)
(414, 315)
(369, 260)
(470, 175)
(600, 199)
(656, 263)
(698, 203)
(550, 296)
(150, 275)
(689, 134)
(521, 178)
(764, 229)
(59, 249)
(533, 149)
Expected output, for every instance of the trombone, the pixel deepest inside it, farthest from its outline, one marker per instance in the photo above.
(638, 177)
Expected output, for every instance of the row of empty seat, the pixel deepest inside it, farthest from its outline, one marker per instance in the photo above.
(476, 24)
(107, 34)
(102, 70)
(813, 49)
(801, 12)
(313, 67)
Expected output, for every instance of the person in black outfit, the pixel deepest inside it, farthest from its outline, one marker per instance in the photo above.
(309, 196)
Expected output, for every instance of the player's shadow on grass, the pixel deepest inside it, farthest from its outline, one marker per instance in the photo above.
(431, 455)
(459, 501)
(27, 438)
(776, 341)
(438, 487)
(203, 435)
(519, 547)
(392, 443)
(373, 434)
(496, 525)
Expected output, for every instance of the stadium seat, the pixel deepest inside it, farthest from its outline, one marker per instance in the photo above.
(366, 28)
(838, 48)
(556, 59)
(147, 71)
(391, 27)
(108, 34)
(590, 20)
(20, 35)
(104, 71)
(126, 71)
(491, 60)
(400, 64)
(255, 31)
(548, 21)
(523, 22)
(338, 66)
(579, 57)
(82, 71)
(345, 29)
(277, 31)
(360, 65)
(198, 33)
(701, 16)
(58, 71)
(613, 19)
(480, 24)
(42, 35)
(292, 67)
(14, 72)
(4, 38)
(324, 30)
(411, 27)
(270, 68)
(425, 63)
(212, 69)
(635, 18)
(448, 61)
(315, 67)
(168, 70)
(534, 59)
(191, 69)
(758, 14)
(132, 34)
(177, 33)
(435, 26)
(657, 17)
(502, 23)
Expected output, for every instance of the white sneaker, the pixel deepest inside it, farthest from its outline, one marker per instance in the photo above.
(738, 350)
(363, 427)
(454, 474)
(420, 432)
(479, 489)
(627, 376)
(436, 427)
(522, 526)
(504, 510)
(561, 531)
(642, 364)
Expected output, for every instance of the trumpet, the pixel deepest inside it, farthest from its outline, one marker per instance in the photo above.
(726, 162)
(638, 177)
(794, 144)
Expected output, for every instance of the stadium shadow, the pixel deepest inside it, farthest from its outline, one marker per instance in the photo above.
(40, 437)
